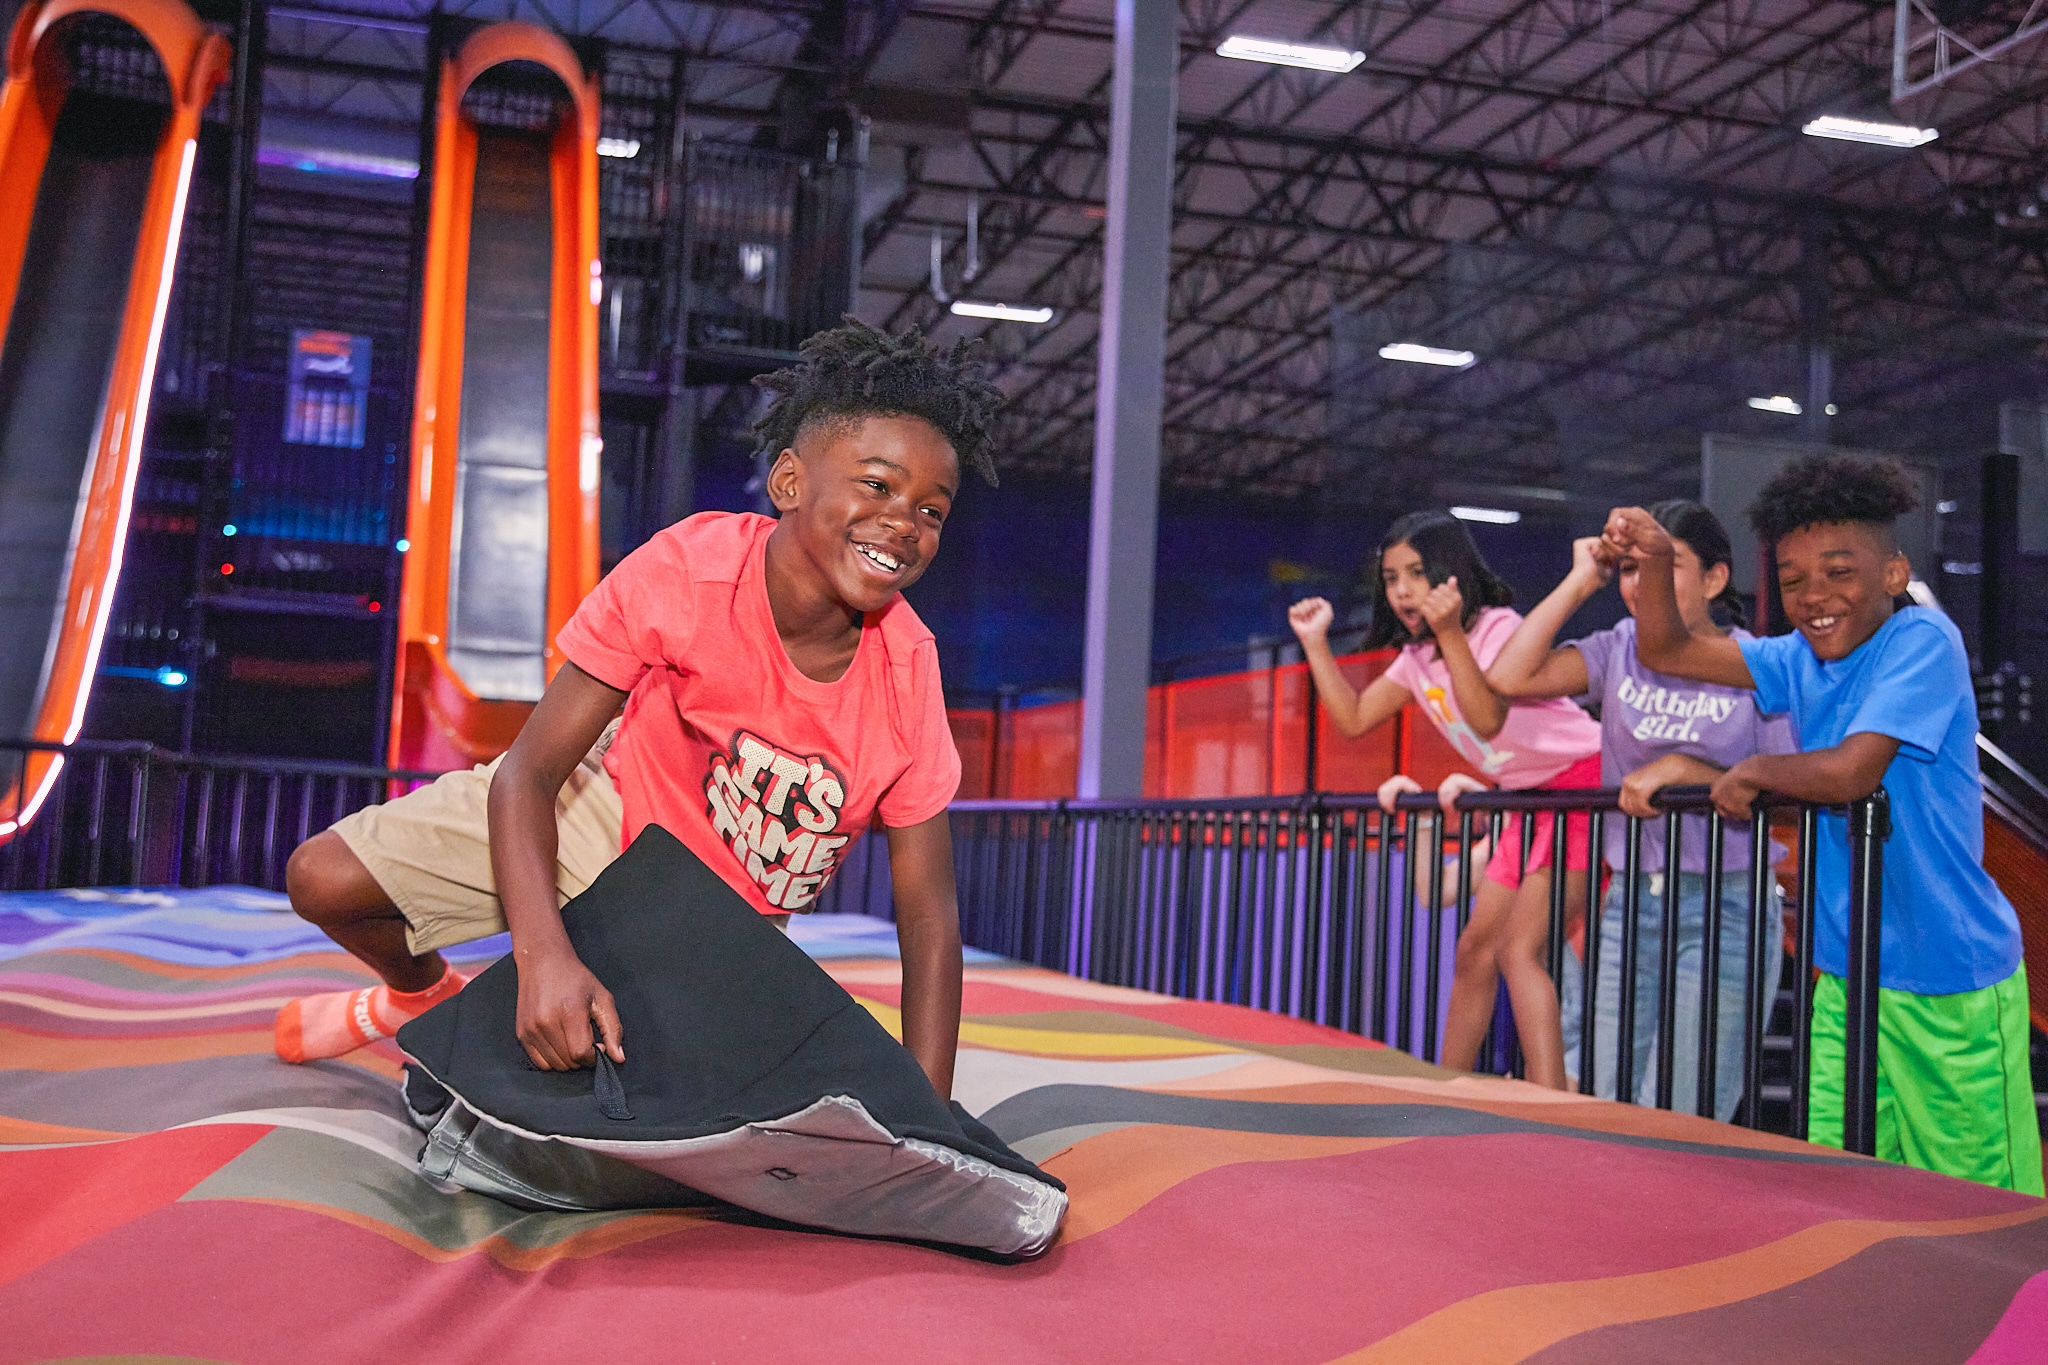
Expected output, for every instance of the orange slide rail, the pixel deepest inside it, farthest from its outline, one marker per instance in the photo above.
(437, 720)
(195, 60)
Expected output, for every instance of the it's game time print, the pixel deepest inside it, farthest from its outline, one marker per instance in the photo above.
(778, 810)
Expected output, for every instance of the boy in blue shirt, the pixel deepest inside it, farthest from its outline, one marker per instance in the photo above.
(1879, 693)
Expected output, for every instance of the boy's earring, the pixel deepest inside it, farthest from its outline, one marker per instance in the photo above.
(779, 475)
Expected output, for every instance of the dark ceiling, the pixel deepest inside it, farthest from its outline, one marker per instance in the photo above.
(1610, 203)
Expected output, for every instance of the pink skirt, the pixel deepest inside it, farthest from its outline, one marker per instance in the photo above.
(1505, 866)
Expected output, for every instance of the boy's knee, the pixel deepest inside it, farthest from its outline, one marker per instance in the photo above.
(327, 882)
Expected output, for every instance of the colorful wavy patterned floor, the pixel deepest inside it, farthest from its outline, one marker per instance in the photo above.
(1245, 1188)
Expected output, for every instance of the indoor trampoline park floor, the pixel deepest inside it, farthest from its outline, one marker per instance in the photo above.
(1245, 1187)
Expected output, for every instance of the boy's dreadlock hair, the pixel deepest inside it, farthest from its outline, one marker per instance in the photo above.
(855, 371)
(1824, 489)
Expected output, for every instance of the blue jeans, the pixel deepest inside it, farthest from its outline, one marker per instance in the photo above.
(1732, 1028)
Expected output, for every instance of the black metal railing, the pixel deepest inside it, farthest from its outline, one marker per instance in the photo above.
(1312, 907)
(132, 814)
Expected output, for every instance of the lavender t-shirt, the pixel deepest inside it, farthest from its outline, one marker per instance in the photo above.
(1646, 715)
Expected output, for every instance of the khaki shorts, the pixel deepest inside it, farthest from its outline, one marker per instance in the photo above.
(430, 849)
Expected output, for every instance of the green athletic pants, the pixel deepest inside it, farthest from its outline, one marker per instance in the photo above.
(1954, 1093)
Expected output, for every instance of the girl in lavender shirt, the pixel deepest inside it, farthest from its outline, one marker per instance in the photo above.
(1658, 731)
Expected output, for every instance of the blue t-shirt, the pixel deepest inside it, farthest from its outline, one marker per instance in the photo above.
(1947, 926)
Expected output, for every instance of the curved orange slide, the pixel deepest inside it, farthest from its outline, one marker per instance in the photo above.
(86, 180)
(502, 516)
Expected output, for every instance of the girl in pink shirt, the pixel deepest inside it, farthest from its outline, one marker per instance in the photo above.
(1450, 614)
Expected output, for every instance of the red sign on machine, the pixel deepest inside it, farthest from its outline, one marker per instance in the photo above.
(328, 400)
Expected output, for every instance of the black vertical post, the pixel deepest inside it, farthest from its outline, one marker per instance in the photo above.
(245, 113)
(1631, 908)
(1706, 1092)
(1381, 1026)
(1590, 976)
(1560, 858)
(1869, 826)
(138, 817)
(1311, 774)
(1757, 999)
(1998, 611)
(1404, 1022)
(1433, 955)
(1802, 973)
(1667, 959)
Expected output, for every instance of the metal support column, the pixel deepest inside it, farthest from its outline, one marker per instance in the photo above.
(1129, 400)
(1813, 327)
(1998, 611)
(673, 495)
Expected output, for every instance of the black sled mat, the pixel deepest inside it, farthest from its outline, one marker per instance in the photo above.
(750, 1076)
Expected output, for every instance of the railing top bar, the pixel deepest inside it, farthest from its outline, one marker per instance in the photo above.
(2010, 767)
(1220, 805)
(1687, 800)
(290, 767)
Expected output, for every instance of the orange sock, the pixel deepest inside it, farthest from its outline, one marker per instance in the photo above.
(338, 1022)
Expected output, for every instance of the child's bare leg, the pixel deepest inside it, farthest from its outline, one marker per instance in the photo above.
(1524, 961)
(1477, 974)
(330, 887)
(332, 890)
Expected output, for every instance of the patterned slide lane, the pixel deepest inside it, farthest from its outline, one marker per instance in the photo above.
(1246, 1187)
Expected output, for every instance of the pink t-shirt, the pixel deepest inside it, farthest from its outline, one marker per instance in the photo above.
(1540, 739)
(766, 774)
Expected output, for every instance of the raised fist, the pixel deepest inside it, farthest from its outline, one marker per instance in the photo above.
(1311, 618)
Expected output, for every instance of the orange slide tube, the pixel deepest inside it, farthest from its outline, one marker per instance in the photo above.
(438, 720)
(195, 60)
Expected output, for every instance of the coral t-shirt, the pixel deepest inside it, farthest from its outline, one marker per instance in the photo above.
(764, 773)
(1539, 739)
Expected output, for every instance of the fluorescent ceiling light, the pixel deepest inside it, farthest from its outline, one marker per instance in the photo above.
(1494, 516)
(1277, 53)
(1426, 355)
(624, 148)
(1778, 403)
(1000, 312)
(1863, 130)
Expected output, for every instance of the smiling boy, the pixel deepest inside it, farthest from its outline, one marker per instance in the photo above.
(1878, 693)
(779, 698)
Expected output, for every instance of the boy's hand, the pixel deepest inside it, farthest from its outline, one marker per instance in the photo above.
(1735, 790)
(1311, 618)
(1444, 607)
(1632, 531)
(1592, 562)
(559, 1000)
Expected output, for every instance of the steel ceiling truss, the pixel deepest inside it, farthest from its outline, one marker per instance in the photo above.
(1605, 201)
(368, 62)
(1585, 289)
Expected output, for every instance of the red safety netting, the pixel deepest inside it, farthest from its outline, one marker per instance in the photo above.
(1232, 734)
